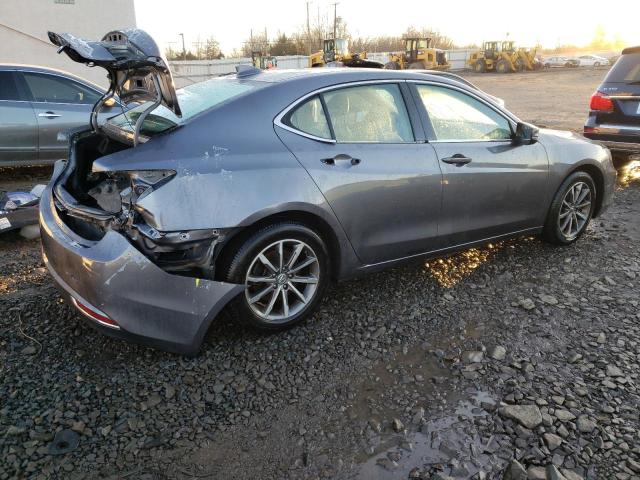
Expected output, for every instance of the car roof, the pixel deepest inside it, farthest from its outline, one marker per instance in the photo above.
(55, 71)
(330, 76)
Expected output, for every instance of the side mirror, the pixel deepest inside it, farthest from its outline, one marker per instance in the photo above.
(526, 134)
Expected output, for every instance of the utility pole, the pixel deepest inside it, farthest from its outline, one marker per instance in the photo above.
(335, 19)
(308, 31)
(184, 50)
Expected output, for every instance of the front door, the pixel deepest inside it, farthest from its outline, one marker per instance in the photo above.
(492, 186)
(358, 145)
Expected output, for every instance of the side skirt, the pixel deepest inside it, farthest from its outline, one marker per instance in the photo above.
(375, 267)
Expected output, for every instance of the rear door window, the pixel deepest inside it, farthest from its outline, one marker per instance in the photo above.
(369, 113)
(54, 89)
(310, 118)
(8, 88)
(625, 70)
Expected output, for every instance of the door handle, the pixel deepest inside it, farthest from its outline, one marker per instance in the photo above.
(458, 160)
(49, 115)
(341, 159)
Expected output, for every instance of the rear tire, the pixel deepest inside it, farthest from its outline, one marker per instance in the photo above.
(571, 210)
(280, 291)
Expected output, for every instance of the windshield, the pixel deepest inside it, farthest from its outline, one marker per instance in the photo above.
(626, 69)
(193, 99)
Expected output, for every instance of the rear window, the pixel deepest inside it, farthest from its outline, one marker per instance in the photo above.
(193, 99)
(626, 69)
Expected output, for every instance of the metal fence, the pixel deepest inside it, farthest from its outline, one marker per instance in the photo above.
(193, 71)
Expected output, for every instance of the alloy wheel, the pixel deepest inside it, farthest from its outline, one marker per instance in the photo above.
(575, 210)
(282, 280)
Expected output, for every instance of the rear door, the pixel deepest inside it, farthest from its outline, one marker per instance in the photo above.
(18, 127)
(59, 103)
(382, 181)
(492, 187)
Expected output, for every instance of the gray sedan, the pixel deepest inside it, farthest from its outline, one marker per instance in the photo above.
(36, 104)
(256, 190)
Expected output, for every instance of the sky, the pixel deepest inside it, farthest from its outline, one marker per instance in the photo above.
(548, 22)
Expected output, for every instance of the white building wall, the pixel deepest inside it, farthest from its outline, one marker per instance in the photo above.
(24, 25)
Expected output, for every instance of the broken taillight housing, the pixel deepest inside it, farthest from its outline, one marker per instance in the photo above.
(143, 182)
(601, 102)
(113, 191)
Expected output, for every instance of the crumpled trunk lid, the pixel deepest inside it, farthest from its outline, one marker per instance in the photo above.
(138, 71)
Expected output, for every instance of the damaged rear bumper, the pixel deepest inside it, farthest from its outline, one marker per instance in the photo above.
(111, 278)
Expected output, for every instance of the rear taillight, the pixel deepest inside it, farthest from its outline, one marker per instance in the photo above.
(94, 314)
(601, 102)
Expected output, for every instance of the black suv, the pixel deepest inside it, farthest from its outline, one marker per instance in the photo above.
(614, 116)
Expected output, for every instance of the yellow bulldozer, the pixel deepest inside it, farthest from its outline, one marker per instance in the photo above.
(503, 57)
(336, 53)
(418, 54)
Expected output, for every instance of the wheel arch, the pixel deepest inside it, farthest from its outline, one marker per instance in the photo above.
(313, 220)
(598, 179)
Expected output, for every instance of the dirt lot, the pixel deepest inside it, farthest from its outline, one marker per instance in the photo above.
(514, 356)
(557, 98)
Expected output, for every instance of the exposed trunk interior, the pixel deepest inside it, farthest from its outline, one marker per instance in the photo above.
(92, 203)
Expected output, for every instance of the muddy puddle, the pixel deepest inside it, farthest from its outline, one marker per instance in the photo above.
(418, 416)
(444, 443)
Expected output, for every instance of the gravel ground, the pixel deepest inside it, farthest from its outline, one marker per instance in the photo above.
(512, 361)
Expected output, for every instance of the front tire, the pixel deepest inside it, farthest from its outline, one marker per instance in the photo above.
(480, 66)
(571, 209)
(285, 270)
(503, 67)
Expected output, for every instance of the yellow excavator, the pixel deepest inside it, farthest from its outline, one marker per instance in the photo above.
(336, 53)
(503, 57)
(418, 54)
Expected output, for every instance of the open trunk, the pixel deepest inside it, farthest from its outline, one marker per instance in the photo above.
(91, 203)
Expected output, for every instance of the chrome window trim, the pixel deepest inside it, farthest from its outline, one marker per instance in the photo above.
(278, 120)
(508, 116)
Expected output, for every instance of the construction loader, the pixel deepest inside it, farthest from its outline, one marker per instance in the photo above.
(335, 53)
(503, 57)
(418, 54)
